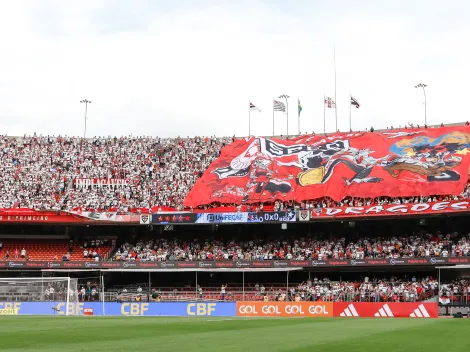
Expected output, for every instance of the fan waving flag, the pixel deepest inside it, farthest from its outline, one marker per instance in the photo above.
(355, 102)
(299, 107)
(279, 106)
(254, 107)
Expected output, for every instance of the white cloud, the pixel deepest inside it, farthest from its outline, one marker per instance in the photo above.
(171, 68)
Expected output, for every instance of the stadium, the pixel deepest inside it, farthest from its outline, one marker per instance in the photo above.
(118, 233)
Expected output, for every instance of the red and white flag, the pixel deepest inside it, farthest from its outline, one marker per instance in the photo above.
(355, 102)
(329, 103)
(254, 107)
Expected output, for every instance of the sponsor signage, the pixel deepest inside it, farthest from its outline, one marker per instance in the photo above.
(222, 218)
(284, 309)
(225, 218)
(390, 210)
(385, 310)
(415, 310)
(237, 263)
(181, 309)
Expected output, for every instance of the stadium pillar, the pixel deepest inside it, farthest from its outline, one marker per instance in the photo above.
(102, 291)
(287, 286)
(439, 282)
(243, 284)
(196, 288)
(150, 285)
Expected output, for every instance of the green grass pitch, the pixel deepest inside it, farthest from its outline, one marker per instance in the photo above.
(129, 334)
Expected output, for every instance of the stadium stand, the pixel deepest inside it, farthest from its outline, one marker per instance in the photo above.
(39, 172)
(309, 247)
(38, 250)
(389, 289)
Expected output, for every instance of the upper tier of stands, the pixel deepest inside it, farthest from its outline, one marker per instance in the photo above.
(38, 172)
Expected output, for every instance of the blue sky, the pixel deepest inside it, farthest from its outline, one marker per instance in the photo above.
(188, 68)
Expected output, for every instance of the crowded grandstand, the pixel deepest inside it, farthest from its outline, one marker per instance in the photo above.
(192, 204)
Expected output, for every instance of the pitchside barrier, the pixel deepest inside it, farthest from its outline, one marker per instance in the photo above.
(227, 309)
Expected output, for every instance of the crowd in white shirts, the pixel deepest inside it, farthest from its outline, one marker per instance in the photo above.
(307, 247)
(38, 172)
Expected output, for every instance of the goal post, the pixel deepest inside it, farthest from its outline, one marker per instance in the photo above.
(56, 290)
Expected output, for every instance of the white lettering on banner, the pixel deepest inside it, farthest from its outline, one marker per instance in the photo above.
(376, 209)
(248, 310)
(333, 211)
(398, 208)
(440, 206)
(354, 210)
(270, 310)
(411, 208)
(292, 309)
(459, 206)
(99, 183)
(420, 207)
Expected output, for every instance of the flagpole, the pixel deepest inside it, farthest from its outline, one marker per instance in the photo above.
(249, 118)
(273, 118)
(287, 102)
(350, 125)
(298, 112)
(336, 101)
(324, 119)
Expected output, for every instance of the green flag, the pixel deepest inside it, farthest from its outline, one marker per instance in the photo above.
(299, 106)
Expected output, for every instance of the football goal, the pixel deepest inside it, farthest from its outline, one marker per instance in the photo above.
(37, 289)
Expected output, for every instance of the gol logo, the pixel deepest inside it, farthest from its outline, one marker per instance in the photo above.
(287, 309)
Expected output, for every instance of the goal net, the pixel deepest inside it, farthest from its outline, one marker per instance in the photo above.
(47, 289)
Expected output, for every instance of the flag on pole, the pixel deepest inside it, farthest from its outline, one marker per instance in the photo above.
(355, 102)
(299, 107)
(253, 107)
(279, 106)
(330, 103)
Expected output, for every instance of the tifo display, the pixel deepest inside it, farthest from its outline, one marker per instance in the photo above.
(107, 179)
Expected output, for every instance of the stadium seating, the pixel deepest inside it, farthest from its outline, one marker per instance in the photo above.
(39, 250)
(303, 247)
(390, 289)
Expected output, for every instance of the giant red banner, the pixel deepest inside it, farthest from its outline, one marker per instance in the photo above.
(396, 163)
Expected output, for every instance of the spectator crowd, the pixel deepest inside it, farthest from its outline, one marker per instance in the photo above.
(367, 290)
(39, 172)
(308, 247)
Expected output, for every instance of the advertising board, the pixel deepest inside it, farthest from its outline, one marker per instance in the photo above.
(228, 309)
